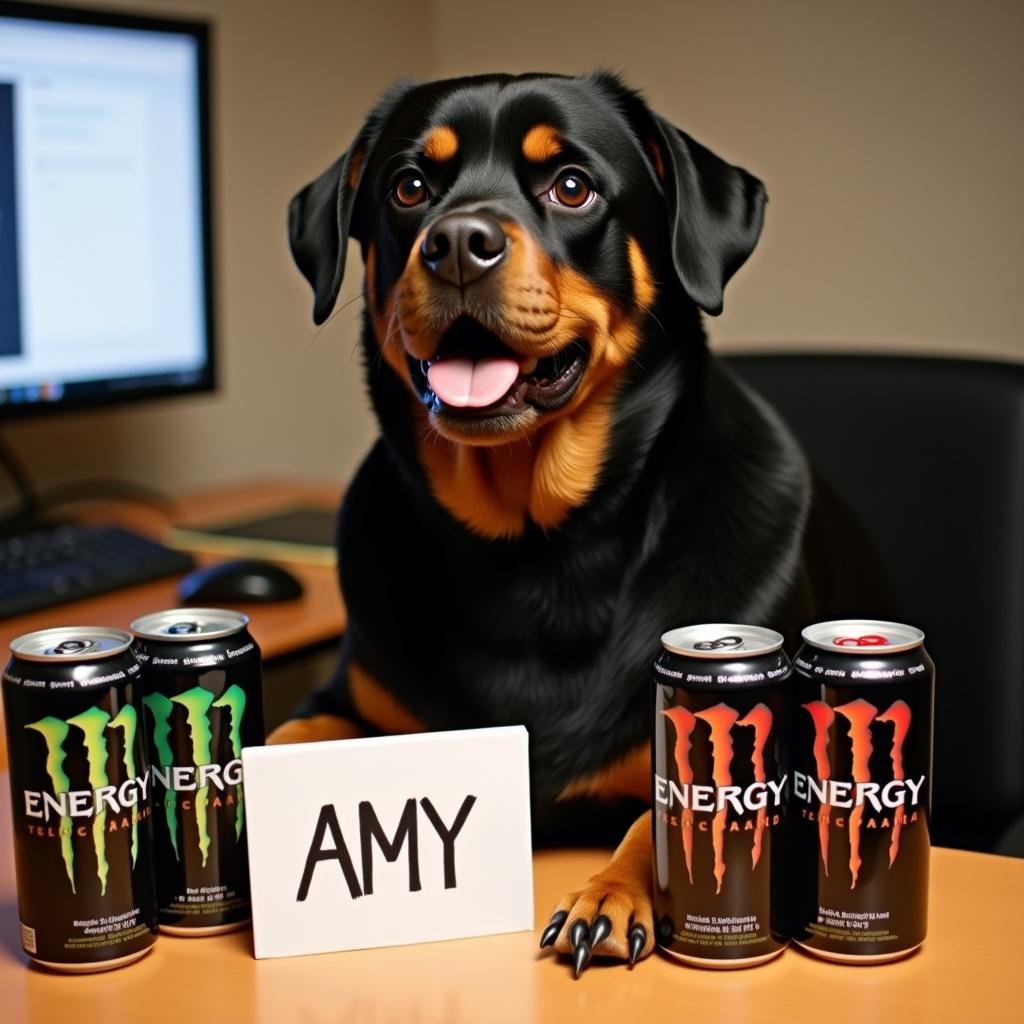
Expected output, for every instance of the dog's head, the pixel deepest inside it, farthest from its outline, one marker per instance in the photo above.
(518, 234)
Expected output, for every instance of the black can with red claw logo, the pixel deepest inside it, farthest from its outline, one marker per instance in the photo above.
(719, 800)
(861, 786)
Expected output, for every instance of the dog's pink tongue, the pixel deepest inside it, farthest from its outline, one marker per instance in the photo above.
(464, 383)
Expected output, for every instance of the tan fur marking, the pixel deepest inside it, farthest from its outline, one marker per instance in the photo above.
(484, 488)
(541, 143)
(412, 298)
(442, 144)
(622, 892)
(654, 150)
(355, 168)
(378, 706)
(495, 489)
(629, 776)
(643, 282)
(384, 316)
(314, 729)
(568, 463)
(537, 310)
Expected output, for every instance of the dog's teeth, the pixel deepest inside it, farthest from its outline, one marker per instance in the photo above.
(528, 365)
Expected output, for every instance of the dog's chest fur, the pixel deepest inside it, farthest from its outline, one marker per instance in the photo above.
(557, 631)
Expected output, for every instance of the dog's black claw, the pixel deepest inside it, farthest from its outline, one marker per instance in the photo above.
(578, 931)
(637, 941)
(600, 930)
(581, 955)
(554, 927)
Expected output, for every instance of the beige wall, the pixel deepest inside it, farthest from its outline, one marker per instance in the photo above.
(889, 135)
(292, 81)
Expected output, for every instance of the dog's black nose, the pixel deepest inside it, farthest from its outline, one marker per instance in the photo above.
(462, 247)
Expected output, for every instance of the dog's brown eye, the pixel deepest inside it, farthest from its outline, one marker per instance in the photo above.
(410, 190)
(571, 189)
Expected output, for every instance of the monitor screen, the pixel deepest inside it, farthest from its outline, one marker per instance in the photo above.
(104, 214)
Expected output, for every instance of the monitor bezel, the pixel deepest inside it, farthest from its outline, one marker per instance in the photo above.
(206, 380)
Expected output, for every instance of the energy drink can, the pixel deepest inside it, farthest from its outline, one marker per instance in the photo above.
(204, 703)
(80, 788)
(720, 858)
(862, 766)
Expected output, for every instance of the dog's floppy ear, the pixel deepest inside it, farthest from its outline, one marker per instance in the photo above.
(318, 227)
(320, 216)
(715, 212)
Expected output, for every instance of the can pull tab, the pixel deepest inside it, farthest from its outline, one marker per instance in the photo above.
(183, 628)
(867, 640)
(722, 643)
(71, 647)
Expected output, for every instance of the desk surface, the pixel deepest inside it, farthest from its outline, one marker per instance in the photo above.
(969, 970)
(279, 629)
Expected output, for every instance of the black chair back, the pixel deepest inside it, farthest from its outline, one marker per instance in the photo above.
(930, 454)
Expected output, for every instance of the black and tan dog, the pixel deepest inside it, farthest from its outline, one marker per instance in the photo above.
(564, 472)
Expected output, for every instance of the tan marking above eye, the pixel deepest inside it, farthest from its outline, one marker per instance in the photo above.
(442, 144)
(541, 143)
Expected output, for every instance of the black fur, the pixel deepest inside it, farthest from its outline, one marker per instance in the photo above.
(701, 508)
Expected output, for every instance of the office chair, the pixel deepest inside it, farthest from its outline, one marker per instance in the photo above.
(929, 454)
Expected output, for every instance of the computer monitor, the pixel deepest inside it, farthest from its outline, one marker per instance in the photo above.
(105, 250)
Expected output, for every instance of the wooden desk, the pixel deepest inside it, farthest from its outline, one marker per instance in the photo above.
(969, 970)
(279, 629)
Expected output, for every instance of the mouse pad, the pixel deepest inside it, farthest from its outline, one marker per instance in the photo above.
(298, 534)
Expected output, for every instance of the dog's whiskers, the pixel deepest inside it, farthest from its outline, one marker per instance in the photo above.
(362, 294)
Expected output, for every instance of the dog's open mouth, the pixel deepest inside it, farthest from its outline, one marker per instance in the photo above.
(474, 374)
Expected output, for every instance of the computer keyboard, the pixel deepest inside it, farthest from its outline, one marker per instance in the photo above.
(56, 564)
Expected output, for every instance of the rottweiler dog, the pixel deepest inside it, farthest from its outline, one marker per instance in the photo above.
(564, 471)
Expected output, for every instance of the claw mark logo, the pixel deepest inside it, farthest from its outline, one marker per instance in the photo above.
(198, 705)
(684, 723)
(721, 720)
(121, 801)
(823, 717)
(890, 800)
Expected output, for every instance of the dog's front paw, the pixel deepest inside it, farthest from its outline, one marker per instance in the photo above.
(611, 916)
(313, 729)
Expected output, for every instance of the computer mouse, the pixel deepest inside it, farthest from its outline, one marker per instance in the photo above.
(240, 580)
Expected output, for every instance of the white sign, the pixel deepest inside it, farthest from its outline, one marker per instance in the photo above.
(381, 842)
